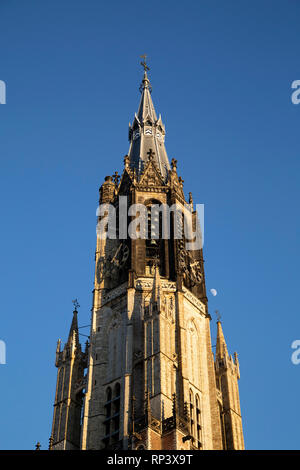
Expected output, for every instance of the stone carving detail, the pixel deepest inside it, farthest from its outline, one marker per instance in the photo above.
(151, 176)
(147, 284)
(80, 384)
(109, 266)
(138, 355)
(114, 293)
(219, 396)
(190, 267)
(168, 308)
(188, 295)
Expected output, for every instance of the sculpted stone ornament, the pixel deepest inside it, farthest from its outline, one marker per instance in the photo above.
(138, 355)
(101, 269)
(190, 267)
(115, 260)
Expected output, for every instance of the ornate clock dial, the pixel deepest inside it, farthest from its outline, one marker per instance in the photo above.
(121, 255)
(190, 267)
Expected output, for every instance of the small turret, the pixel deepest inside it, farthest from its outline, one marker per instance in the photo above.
(107, 190)
(227, 376)
(70, 363)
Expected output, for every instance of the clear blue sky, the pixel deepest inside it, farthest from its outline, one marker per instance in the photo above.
(221, 74)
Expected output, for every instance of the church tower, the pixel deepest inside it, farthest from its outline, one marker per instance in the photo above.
(149, 377)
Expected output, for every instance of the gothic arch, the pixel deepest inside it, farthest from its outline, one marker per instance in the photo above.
(193, 352)
(112, 415)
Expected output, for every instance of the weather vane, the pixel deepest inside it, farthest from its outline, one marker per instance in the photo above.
(76, 304)
(144, 63)
(218, 315)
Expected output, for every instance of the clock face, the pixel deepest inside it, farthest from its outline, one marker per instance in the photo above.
(108, 267)
(121, 255)
(190, 267)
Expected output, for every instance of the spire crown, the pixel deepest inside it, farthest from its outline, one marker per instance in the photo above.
(147, 132)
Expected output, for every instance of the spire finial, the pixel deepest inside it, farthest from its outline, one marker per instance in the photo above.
(143, 64)
(145, 82)
(76, 304)
(218, 316)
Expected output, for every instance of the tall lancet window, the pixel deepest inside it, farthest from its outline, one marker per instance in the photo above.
(193, 354)
(154, 242)
(116, 413)
(198, 422)
(112, 415)
(107, 408)
(192, 414)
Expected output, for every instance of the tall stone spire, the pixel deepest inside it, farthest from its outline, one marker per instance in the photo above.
(221, 347)
(147, 132)
(73, 333)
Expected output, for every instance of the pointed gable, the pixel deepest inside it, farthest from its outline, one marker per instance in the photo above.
(151, 175)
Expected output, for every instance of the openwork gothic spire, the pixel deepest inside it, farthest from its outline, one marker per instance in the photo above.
(147, 132)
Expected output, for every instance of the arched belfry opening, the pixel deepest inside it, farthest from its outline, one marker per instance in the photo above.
(155, 245)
